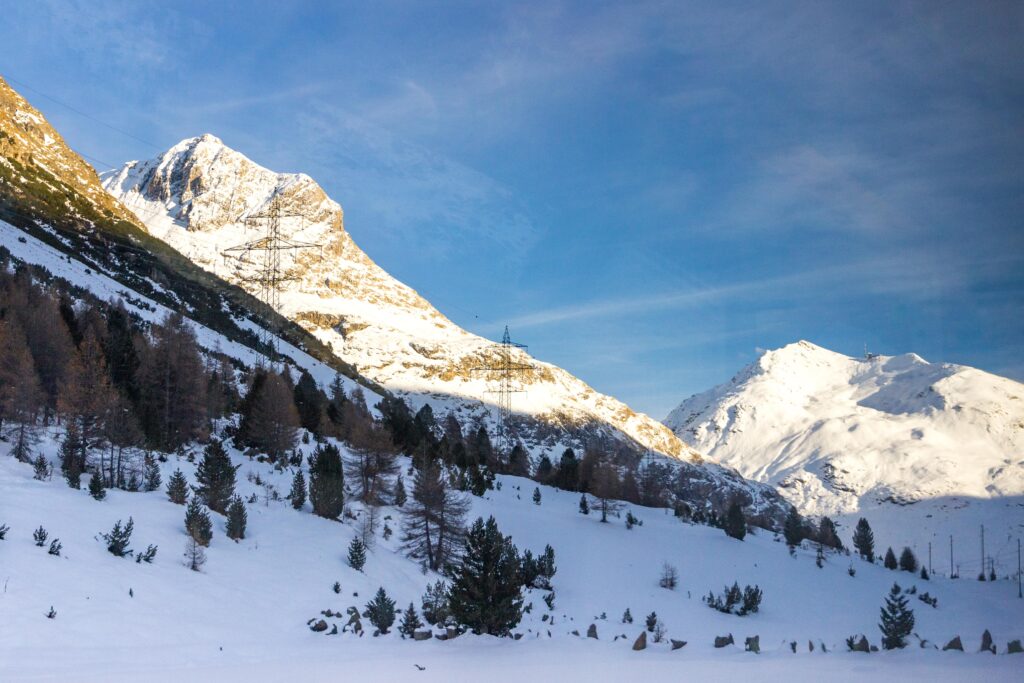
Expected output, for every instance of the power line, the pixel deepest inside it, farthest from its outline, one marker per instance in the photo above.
(82, 113)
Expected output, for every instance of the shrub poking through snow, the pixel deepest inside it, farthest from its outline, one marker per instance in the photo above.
(669, 576)
(736, 601)
(119, 538)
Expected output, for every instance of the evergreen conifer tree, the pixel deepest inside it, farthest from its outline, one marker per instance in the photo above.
(827, 534)
(177, 488)
(651, 621)
(897, 620)
(326, 482)
(237, 518)
(96, 489)
(400, 495)
(297, 495)
(584, 506)
(357, 554)
(485, 594)
(381, 611)
(864, 540)
(119, 538)
(72, 456)
(908, 562)
(735, 522)
(197, 522)
(215, 477)
(152, 479)
(793, 528)
(890, 559)
(627, 617)
(410, 622)
(536, 495)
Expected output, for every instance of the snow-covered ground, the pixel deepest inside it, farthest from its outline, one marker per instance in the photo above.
(244, 616)
(924, 450)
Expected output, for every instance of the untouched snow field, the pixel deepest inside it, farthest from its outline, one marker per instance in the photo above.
(244, 616)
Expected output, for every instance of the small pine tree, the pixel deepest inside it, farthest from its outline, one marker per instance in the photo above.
(40, 536)
(96, 489)
(627, 617)
(152, 480)
(55, 547)
(435, 603)
(297, 495)
(177, 488)
(357, 554)
(215, 477)
(651, 621)
(584, 506)
(381, 611)
(735, 522)
(864, 540)
(924, 573)
(197, 522)
(890, 559)
(793, 529)
(546, 563)
(536, 495)
(908, 562)
(410, 622)
(41, 468)
(119, 538)
(400, 495)
(631, 521)
(72, 456)
(897, 620)
(237, 518)
(3, 531)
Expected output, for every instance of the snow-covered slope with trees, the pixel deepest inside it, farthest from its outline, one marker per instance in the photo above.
(197, 197)
(245, 615)
(841, 436)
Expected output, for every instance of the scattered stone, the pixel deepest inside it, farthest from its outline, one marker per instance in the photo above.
(677, 644)
(1013, 648)
(986, 643)
(722, 641)
(452, 632)
(319, 626)
(954, 644)
(422, 634)
(874, 648)
(576, 633)
(592, 631)
(441, 636)
(517, 636)
(641, 641)
(752, 644)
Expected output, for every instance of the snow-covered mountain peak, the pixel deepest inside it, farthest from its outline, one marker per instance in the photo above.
(837, 432)
(197, 197)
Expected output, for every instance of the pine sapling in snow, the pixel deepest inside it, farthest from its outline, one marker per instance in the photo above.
(584, 506)
(40, 535)
(435, 603)
(197, 522)
(410, 622)
(177, 488)
(55, 547)
(96, 489)
(195, 556)
(119, 538)
(897, 620)
(890, 559)
(651, 621)
(151, 480)
(297, 495)
(627, 617)
(536, 495)
(864, 540)
(3, 531)
(400, 495)
(381, 611)
(237, 518)
(357, 554)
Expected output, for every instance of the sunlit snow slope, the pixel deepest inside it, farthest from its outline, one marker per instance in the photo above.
(197, 197)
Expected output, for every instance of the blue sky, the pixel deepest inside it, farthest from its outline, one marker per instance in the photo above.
(648, 192)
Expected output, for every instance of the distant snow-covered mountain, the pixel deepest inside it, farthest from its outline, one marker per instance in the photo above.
(839, 435)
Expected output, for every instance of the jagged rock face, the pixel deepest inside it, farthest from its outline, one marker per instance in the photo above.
(197, 198)
(27, 138)
(837, 433)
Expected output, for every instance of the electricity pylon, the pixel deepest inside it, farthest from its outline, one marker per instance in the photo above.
(507, 372)
(265, 254)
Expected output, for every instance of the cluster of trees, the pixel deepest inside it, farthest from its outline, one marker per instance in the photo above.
(120, 386)
(795, 530)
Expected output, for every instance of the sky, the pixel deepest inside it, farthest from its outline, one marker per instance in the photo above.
(648, 193)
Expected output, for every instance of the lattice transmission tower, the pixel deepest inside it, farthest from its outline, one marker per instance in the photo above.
(507, 372)
(265, 254)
